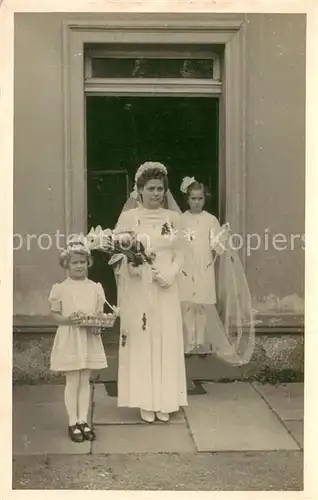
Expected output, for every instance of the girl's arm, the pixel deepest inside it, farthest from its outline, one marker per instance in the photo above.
(55, 300)
(179, 249)
(215, 241)
(59, 319)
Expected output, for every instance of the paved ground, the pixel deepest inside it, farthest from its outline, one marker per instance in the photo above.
(234, 436)
(156, 471)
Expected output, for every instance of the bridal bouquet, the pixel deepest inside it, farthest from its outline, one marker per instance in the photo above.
(118, 245)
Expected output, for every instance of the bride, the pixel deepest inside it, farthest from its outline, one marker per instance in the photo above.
(151, 373)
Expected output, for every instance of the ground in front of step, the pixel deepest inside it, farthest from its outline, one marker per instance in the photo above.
(239, 471)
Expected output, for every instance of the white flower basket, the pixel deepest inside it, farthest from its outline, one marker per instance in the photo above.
(102, 320)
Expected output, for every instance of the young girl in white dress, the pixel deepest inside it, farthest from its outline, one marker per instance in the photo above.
(197, 278)
(77, 350)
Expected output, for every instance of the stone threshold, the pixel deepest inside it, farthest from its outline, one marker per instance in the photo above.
(266, 324)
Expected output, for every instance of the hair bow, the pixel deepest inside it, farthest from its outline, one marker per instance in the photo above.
(186, 182)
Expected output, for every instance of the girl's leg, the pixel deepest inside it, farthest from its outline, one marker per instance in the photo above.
(188, 313)
(83, 395)
(200, 326)
(83, 405)
(71, 395)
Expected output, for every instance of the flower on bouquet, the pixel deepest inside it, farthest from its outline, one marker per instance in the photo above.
(118, 245)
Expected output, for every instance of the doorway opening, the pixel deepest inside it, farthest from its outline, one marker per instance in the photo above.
(124, 132)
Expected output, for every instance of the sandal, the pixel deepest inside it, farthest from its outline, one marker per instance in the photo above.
(75, 434)
(87, 432)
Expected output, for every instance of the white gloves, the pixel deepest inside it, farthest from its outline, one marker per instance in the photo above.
(134, 270)
(164, 279)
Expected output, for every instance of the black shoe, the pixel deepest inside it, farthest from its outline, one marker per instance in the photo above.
(87, 432)
(77, 437)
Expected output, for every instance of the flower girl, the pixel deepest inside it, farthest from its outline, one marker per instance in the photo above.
(76, 349)
(197, 278)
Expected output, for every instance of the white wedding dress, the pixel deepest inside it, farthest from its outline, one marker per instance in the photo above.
(151, 373)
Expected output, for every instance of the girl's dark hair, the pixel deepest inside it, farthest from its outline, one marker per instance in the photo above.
(197, 186)
(153, 172)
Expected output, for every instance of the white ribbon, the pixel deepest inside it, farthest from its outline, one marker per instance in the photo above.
(186, 182)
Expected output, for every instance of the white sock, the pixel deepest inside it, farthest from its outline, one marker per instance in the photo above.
(71, 395)
(189, 327)
(201, 320)
(83, 395)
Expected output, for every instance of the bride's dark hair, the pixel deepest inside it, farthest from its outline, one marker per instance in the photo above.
(155, 170)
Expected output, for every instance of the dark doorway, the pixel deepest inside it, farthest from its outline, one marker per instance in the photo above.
(123, 132)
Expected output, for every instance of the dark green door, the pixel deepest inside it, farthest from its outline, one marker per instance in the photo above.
(107, 192)
(123, 132)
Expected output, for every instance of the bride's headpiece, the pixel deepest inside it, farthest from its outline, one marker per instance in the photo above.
(134, 197)
(186, 182)
(148, 165)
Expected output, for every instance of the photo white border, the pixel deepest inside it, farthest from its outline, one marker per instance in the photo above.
(7, 10)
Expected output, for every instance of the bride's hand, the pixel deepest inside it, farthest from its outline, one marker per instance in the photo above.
(157, 276)
(165, 280)
(155, 273)
(133, 270)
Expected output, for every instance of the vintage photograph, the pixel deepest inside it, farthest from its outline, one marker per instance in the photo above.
(158, 251)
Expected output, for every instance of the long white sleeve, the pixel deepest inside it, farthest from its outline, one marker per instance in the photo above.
(125, 221)
(169, 275)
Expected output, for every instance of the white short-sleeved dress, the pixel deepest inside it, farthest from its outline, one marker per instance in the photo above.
(197, 279)
(77, 348)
